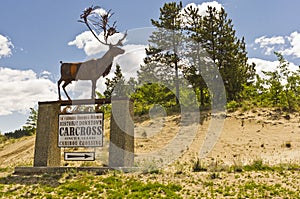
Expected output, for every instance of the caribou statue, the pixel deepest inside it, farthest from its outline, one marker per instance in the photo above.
(95, 68)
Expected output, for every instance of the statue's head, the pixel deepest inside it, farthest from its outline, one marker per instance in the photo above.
(117, 50)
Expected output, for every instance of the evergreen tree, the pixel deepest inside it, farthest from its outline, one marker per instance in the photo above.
(216, 34)
(292, 85)
(111, 84)
(166, 41)
(31, 122)
(283, 85)
(227, 52)
(195, 54)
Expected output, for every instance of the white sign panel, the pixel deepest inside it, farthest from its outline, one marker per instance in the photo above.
(79, 156)
(80, 130)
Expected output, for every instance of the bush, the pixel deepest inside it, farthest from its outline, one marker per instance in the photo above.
(2, 138)
(18, 133)
(232, 106)
(198, 167)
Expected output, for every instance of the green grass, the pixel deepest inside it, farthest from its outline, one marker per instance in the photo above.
(85, 185)
(256, 180)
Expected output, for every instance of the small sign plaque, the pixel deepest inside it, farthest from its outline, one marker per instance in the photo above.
(80, 130)
(79, 156)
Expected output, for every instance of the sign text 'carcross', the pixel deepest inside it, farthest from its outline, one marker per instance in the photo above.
(80, 130)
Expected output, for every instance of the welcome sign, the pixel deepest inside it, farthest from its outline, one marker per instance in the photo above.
(80, 130)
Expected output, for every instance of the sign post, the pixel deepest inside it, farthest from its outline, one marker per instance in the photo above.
(46, 152)
(56, 131)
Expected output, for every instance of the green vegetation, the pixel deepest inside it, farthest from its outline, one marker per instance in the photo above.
(31, 123)
(279, 88)
(164, 44)
(178, 53)
(256, 180)
(197, 166)
(27, 130)
(18, 134)
(3, 138)
(85, 185)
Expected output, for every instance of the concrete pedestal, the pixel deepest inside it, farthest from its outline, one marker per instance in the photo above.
(121, 148)
(46, 151)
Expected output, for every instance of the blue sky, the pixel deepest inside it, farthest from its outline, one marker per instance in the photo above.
(35, 35)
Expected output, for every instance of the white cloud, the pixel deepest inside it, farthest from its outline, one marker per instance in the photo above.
(21, 90)
(88, 43)
(91, 45)
(294, 40)
(264, 41)
(202, 8)
(100, 12)
(5, 46)
(265, 65)
(286, 45)
(131, 60)
(268, 43)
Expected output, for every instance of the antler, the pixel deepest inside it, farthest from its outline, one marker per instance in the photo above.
(119, 43)
(103, 24)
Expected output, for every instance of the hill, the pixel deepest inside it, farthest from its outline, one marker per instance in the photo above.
(269, 135)
(256, 155)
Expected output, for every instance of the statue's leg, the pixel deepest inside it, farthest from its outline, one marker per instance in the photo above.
(58, 85)
(64, 88)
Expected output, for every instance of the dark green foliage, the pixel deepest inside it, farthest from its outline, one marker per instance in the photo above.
(278, 88)
(258, 165)
(111, 85)
(150, 94)
(28, 129)
(197, 166)
(18, 133)
(215, 35)
(31, 122)
(166, 41)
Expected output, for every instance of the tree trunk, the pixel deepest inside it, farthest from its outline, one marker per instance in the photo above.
(177, 83)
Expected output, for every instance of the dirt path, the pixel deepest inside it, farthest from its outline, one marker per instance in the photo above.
(18, 153)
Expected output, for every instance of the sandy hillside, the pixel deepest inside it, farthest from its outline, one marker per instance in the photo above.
(271, 136)
(19, 152)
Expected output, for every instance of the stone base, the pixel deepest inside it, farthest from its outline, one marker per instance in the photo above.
(60, 170)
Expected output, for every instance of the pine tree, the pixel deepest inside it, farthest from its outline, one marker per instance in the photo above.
(166, 41)
(111, 84)
(216, 34)
(31, 122)
(283, 85)
(195, 53)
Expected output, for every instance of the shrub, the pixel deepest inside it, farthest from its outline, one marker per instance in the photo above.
(18, 133)
(232, 106)
(197, 166)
